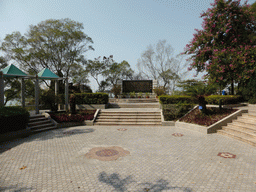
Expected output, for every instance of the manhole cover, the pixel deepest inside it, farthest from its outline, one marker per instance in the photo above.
(226, 155)
(177, 134)
(122, 129)
(106, 152)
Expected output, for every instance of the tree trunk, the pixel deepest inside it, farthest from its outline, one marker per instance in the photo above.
(232, 87)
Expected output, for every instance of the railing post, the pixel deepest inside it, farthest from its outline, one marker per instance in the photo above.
(66, 94)
(23, 92)
(37, 95)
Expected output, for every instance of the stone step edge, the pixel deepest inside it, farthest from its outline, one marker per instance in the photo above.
(240, 132)
(243, 139)
(241, 126)
(42, 125)
(43, 129)
(39, 122)
(243, 123)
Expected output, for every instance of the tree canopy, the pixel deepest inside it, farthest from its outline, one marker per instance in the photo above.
(224, 48)
(55, 44)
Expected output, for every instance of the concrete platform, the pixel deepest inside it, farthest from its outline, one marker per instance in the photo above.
(160, 159)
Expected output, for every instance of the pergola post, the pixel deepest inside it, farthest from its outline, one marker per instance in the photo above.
(1, 89)
(56, 91)
(37, 95)
(23, 92)
(66, 94)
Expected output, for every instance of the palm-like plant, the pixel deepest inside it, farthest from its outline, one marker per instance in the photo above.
(199, 90)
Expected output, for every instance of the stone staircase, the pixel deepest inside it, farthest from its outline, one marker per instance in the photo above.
(133, 105)
(39, 123)
(129, 118)
(243, 129)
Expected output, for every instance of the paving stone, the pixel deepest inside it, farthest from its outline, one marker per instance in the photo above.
(157, 160)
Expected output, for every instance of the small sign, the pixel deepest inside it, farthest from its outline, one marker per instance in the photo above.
(200, 107)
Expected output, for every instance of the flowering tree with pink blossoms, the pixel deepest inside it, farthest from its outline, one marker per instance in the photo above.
(224, 48)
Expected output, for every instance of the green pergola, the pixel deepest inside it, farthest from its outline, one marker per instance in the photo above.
(12, 71)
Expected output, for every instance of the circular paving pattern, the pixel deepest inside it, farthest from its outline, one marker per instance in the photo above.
(226, 155)
(177, 134)
(122, 129)
(106, 153)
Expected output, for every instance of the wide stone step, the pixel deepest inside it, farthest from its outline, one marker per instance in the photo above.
(129, 117)
(238, 131)
(244, 124)
(36, 116)
(41, 126)
(129, 120)
(134, 105)
(43, 129)
(129, 113)
(126, 123)
(238, 137)
(34, 123)
(248, 129)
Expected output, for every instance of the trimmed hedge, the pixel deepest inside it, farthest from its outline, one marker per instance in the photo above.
(13, 119)
(88, 98)
(212, 99)
(175, 99)
(226, 99)
(91, 98)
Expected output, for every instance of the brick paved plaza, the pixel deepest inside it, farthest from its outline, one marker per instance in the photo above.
(148, 159)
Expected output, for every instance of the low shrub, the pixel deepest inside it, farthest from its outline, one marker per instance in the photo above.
(91, 98)
(159, 91)
(67, 117)
(176, 99)
(173, 112)
(226, 99)
(13, 119)
(252, 101)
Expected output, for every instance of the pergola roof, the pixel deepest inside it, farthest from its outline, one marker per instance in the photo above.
(12, 71)
(47, 74)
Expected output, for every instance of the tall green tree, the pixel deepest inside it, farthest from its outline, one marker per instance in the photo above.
(117, 71)
(224, 47)
(58, 44)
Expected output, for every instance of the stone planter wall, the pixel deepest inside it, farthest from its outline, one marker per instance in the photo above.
(213, 128)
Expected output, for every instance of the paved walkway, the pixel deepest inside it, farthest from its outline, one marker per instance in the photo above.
(157, 161)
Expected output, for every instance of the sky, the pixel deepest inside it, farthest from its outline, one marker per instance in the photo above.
(122, 28)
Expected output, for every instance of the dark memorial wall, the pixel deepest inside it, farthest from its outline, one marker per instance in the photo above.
(143, 86)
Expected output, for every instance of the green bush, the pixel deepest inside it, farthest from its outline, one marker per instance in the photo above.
(159, 91)
(175, 99)
(13, 119)
(226, 99)
(252, 101)
(175, 111)
(91, 98)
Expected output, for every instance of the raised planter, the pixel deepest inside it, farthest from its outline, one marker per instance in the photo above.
(212, 128)
(71, 124)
